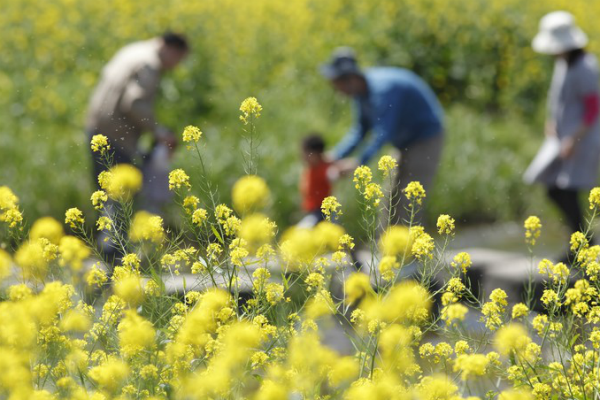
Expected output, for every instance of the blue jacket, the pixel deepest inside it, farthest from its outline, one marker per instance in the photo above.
(399, 108)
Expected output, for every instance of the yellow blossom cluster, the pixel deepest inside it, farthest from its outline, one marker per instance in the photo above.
(533, 228)
(9, 207)
(258, 304)
(250, 108)
(99, 143)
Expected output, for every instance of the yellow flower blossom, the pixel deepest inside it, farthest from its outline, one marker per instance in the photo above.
(362, 177)
(422, 247)
(463, 261)
(445, 225)
(357, 286)
(533, 228)
(47, 227)
(387, 164)
(190, 203)
(512, 338)
(415, 193)
(191, 134)
(199, 217)
(146, 226)
(396, 241)
(122, 182)
(104, 223)
(74, 218)
(250, 108)
(178, 178)
(519, 310)
(471, 365)
(454, 313)
(99, 144)
(250, 193)
(594, 198)
(99, 197)
(331, 207)
(578, 242)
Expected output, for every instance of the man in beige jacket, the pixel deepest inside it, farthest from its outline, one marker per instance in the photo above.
(122, 105)
(122, 109)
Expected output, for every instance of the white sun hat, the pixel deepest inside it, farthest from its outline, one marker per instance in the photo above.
(558, 34)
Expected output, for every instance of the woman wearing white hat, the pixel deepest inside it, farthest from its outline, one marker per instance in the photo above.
(572, 148)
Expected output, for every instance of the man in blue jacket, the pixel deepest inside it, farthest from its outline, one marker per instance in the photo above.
(398, 108)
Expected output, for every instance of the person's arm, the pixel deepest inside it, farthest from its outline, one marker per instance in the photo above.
(384, 127)
(138, 102)
(354, 136)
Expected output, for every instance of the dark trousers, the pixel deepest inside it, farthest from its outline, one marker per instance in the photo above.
(567, 201)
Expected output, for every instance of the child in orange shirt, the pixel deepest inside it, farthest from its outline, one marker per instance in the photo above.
(315, 184)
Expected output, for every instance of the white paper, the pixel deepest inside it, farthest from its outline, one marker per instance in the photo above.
(544, 159)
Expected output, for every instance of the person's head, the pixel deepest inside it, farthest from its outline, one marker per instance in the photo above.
(173, 49)
(343, 73)
(313, 147)
(559, 36)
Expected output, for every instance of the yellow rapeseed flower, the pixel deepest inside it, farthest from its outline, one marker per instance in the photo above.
(422, 247)
(190, 203)
(146, 226)
(250, 107)
(47, 227)
(110, 375)
(250, 193)
(331, 207)
(386, 164)
(594, 198)
(135, 333)
(199, 216)
(533, 228)
(519, 310)
(99, 197)
(362, 177)
(8, 199)
(511, 338)
(357, 286)
(74, 217)
(9, 212)
(471, 365)
(104, 223)
(99, 143)
(178, 178)
(396, 241)
(122, 182)
(129, 288)
(415, 193)
(454, 313)
(463, 261)
(191, 134)
(73, 251)
(445, 225)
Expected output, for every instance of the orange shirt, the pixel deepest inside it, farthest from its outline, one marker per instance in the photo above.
(315, 186)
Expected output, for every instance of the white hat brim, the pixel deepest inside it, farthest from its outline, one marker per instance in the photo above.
(546, 43)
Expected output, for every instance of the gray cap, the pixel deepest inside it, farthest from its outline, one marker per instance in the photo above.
(342, 62)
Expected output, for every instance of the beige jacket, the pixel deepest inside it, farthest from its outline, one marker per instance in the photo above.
(122, 105)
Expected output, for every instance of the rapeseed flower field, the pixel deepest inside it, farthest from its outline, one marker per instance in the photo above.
(249, 321)
(475, 54)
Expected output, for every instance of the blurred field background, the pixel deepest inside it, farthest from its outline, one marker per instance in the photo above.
(475, 54)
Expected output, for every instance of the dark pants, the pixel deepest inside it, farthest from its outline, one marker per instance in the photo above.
(567, 201)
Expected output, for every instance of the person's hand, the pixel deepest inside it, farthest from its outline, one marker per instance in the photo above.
(169, 140)
(346, 166)
(550, 129)
(567, 148)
